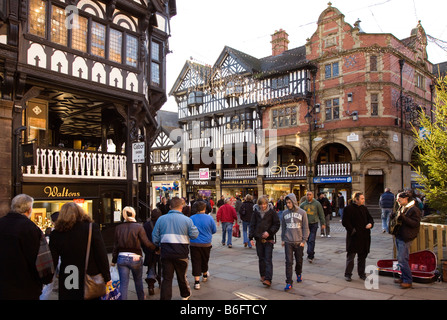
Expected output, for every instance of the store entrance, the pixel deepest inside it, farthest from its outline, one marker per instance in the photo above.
(111, 206)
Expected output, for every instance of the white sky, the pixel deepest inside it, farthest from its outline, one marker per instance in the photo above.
(202, 28)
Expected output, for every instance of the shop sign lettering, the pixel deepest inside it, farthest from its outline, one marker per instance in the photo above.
(55, 192)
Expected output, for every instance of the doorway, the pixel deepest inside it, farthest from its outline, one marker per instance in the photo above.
(374, 186)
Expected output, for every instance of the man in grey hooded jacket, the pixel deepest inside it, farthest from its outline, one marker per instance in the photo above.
(294, 234)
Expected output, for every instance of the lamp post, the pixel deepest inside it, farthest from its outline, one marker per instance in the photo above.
(401, 66)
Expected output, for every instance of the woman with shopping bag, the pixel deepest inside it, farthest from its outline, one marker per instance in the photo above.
(227, 215)
(128, 254)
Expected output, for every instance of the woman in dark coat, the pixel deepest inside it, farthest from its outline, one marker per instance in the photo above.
(68, 241)
(358, 223)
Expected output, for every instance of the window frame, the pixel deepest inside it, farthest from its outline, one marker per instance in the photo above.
(329, 105)
(284, 117)
(329, 70)
(156, 63)
(87, 38)
(374, 104)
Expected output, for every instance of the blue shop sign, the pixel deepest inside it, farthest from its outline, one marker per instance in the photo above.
(344, 179)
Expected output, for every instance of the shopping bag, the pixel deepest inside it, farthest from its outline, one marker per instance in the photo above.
(44, 262)
(112, 293)
(115, 277)
(236, 231)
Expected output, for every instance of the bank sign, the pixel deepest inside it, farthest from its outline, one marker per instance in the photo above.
(343, 179)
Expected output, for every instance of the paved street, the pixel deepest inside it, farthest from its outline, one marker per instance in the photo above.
(234, 274)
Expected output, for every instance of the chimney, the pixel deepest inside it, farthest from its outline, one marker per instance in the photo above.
(280, 42)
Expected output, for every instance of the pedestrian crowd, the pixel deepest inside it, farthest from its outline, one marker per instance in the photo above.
(66, 256)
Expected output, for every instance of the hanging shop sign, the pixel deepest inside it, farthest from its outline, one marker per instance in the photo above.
(138, 152)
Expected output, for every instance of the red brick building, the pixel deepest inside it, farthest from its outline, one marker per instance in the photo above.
(341, 105)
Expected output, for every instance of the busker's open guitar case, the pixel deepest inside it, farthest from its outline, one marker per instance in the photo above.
(422, 264)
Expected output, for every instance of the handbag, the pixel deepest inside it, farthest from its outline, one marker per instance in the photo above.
(236, 231)
(44, 262)
(94, 286)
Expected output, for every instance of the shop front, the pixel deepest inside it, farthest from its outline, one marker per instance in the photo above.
(168, 189)
(103, 204)
(331, 186)
(239, 188)
(275, 189)
(204, 188)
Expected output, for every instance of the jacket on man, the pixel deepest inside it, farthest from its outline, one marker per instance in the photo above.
(410, 216)
(264, 221)
(172, 232)
(19, 246)
(294, 224)
(386, 200)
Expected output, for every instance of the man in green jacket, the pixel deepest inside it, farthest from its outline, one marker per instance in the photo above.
(315, 213)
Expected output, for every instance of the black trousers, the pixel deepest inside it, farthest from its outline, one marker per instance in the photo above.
(361, 262)
(168, 267)
(199, 259)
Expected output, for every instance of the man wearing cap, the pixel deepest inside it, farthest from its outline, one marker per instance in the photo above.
(410, 217)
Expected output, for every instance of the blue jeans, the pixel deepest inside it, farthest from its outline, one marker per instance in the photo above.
(313, 227)
(126, 264)
(227, 229)
(403, 257)
(245, 231)
(385, 218)
(265, 254)
(340, 212)
(291, 248)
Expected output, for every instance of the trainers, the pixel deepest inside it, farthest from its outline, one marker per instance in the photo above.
(205, 276)
(322, 235)
(328, 235)
(288, 287)
(298, 278)
(197, 285)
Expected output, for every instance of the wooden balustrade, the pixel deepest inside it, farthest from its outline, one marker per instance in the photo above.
(59, 163)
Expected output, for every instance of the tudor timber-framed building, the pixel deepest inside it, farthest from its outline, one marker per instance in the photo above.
(82, 81)
(341, 107)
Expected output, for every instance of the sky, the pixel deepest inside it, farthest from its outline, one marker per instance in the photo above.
(202, 28)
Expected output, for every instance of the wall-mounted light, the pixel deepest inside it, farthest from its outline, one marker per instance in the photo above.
(350, 96)
(355, 115)
(317, 108)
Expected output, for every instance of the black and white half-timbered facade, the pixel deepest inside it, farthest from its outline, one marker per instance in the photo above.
(165, 159)
(225, 146)
(82, 81)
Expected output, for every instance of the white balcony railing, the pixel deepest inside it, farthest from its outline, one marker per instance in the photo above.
(334, 169)
(244, 173)
(59, 163)
(283, 172)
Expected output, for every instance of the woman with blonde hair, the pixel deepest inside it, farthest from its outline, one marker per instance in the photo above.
(128, 254)
(68, 241)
